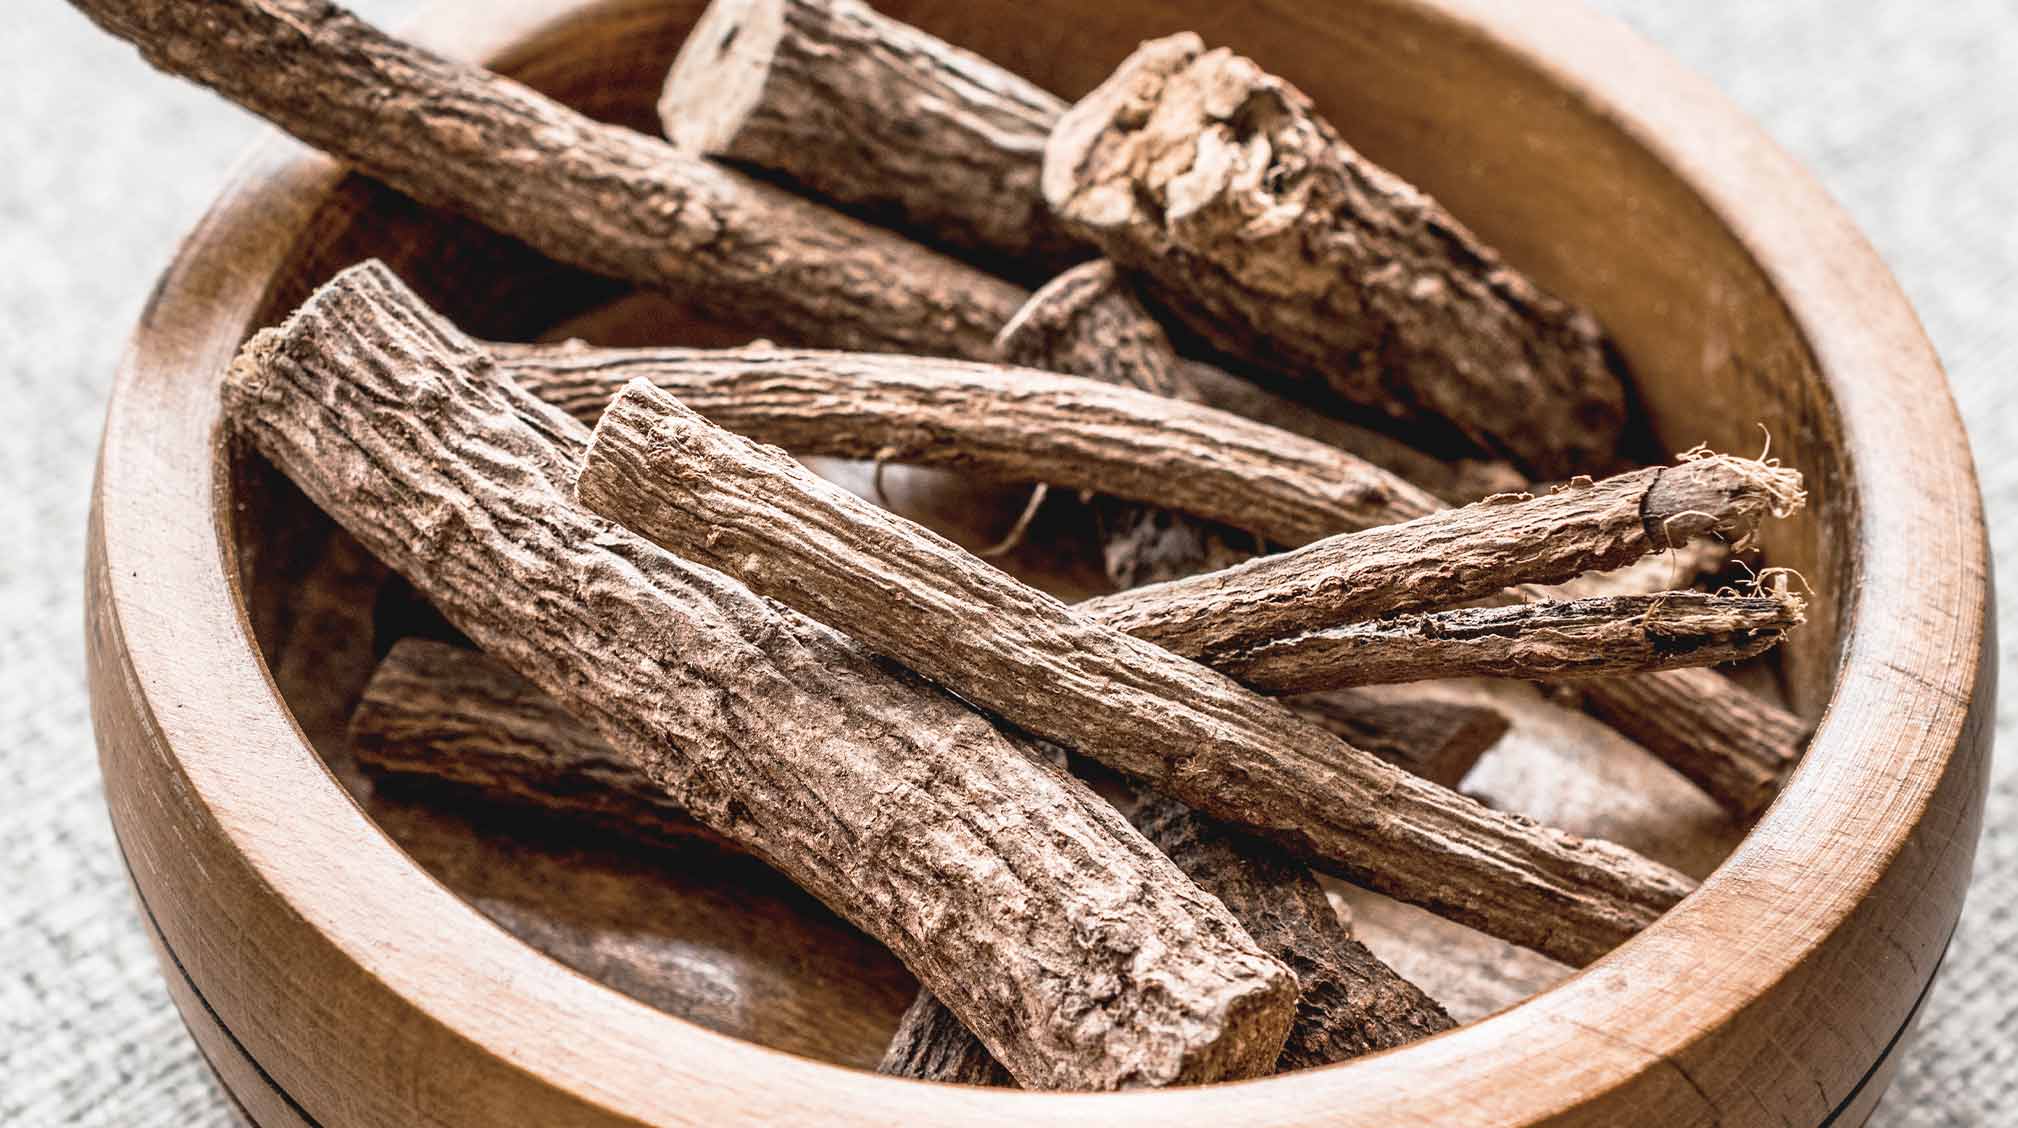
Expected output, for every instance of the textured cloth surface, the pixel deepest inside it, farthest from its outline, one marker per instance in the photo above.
(1904, 110)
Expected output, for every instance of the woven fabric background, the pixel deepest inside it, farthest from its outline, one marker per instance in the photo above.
(1907, 111)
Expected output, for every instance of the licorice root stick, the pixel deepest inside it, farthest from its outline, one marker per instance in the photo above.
(871, 114)
(1455, 556)
(1280, 244)
(1732, 743)
(909, 814)
(450, 714)
(593, 195)
(1184, 730)
(1350, 1003)
(1553, 641)
(1013, 424)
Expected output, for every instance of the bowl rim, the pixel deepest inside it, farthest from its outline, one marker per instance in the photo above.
(1917, 647)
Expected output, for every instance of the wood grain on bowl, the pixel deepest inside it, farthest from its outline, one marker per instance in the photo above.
(335, 981)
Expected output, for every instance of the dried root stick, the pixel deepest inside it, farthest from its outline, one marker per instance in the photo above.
(1552, 641)
(593, 195)
(1457, 556)
(874, 115)
(771, 729)
(1184, 730)
(1278, 243)
(1013, 424)
(1350, 1003)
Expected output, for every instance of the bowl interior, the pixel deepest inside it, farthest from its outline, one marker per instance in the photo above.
(727, 943)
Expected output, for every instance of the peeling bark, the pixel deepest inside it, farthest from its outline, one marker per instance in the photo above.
(1280, 244)
(1456, 556)
(1075, 950)
(1553, 641)
(1189, 732)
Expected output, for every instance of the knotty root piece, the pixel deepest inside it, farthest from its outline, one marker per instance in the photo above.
(1351, 1003)
(1423, 734)
(1089, 322)
(1278, 243)
(1089, 965)
(1582, 638)
(1185, 730)
(597, 196)
(459, 716)
(447, 713)
(877, 115)
(1013, 424)
(1455, 556)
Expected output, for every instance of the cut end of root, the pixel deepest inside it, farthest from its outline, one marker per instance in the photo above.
(718, 77)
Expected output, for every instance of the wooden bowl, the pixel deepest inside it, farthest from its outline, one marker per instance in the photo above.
(346, 957)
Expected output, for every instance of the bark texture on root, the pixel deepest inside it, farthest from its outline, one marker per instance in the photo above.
(874, 114)
(1182, 729)
(1077, 952)
(870, 113)
(1583, 638)
(1456, 556)
(1088, 321)
(1013, 424)
(818, 402)
(447, 713)
(1350, 1003)
(597, 196)
(1280, 244)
